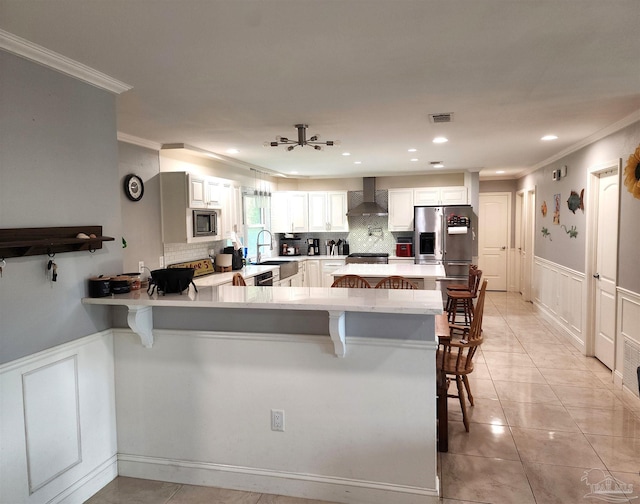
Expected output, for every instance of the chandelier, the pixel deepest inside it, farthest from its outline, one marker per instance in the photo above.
(314, 141)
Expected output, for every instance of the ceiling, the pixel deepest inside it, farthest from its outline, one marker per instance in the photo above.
(221, 74)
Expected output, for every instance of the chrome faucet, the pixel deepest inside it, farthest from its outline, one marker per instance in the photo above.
(259, 245)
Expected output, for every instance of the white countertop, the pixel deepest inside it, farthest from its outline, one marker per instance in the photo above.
(418, 302)
(216, 279)
(409, 270)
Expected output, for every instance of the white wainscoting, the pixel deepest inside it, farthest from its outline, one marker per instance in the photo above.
(627, 358)
(57, 423)
(561, 295)
(195, 409)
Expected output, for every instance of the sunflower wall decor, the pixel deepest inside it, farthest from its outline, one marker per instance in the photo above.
(632, 174)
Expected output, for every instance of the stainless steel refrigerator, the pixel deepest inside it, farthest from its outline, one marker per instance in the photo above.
(445, 235)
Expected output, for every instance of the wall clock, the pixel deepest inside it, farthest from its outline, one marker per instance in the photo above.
(133, 187)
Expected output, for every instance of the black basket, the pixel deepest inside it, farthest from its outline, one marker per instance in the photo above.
(171, 280)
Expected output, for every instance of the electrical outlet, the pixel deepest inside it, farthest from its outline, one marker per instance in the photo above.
(141, 266)
(161, 261)
(277, 420)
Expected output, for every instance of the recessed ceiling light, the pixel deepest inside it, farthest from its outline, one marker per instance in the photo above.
(232, 151)
(440, 140)
(438, 165)
(412, 150)
(547, 138)
(413, 160)
(346, 153)
(357, 162)
(500, 172)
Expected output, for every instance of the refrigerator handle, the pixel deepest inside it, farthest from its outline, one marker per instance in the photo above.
(442, 234)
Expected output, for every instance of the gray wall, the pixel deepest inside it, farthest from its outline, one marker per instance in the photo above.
(141, 224)
(58, 167)
(570, 252)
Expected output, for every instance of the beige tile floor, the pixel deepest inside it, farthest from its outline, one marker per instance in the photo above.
(547, 421)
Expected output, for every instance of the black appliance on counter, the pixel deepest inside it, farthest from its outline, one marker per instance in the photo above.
(313, 246)
(237, 259)
(367, 258)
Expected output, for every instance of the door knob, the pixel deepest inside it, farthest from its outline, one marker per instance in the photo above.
(503, 248)
(597, 275)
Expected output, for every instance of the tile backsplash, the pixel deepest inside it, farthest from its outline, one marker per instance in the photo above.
(182, 252)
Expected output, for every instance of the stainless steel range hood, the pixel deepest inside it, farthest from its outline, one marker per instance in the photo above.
(369, 205)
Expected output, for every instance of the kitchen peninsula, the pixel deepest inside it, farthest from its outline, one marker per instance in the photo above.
(194, 404)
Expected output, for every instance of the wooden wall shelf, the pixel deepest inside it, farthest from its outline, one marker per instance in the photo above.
(19, 242)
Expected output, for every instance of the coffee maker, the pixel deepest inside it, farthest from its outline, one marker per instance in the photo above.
(313, 246)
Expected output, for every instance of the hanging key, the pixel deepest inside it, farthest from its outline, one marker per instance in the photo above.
(54, 274)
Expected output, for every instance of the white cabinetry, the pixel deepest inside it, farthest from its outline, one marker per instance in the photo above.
(204, 192)
(181, 192)
(231, 202)
(289, 212)
(312, 277)
(456, 195)
(402, 201)
(328, 267)
(328, 211)
(400, 209)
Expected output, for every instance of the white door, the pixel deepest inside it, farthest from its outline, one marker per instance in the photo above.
(519, 239)
(606, 265)
(526, 258)
(493, 238)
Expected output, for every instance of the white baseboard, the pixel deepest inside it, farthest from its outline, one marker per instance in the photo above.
(84, 488)
(570, 336)
(309, 486)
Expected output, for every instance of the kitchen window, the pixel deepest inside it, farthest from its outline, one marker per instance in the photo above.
(257, 216)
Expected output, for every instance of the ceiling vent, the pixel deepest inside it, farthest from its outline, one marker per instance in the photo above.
(441, 118)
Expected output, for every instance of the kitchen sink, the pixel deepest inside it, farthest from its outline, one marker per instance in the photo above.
(287, 268)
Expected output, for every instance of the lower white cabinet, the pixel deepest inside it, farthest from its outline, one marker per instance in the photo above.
(328, 267)
(312, 277)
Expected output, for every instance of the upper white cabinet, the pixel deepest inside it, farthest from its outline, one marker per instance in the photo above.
(400, 209)
(402, 201)
(328, 211)
(456, 195)
(204, 192)
(197, 192)
(289, 212)
(231, 203)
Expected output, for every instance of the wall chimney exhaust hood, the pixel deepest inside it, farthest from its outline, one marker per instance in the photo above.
(369, 206)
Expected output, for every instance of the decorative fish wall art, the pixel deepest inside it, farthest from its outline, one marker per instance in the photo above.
(576, 201)
(543, 208)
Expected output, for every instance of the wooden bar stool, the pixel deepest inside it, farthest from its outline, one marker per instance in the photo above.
(352, 281)
(469, 285)
(395, 282)
(462, 300)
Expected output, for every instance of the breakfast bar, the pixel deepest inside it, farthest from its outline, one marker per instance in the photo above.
(194, 399)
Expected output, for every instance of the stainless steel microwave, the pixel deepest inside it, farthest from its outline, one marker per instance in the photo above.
(205, 223)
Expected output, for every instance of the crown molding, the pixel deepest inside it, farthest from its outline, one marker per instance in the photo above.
(598, 135)
(28, 50)
(142, 142)
(225, 159)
